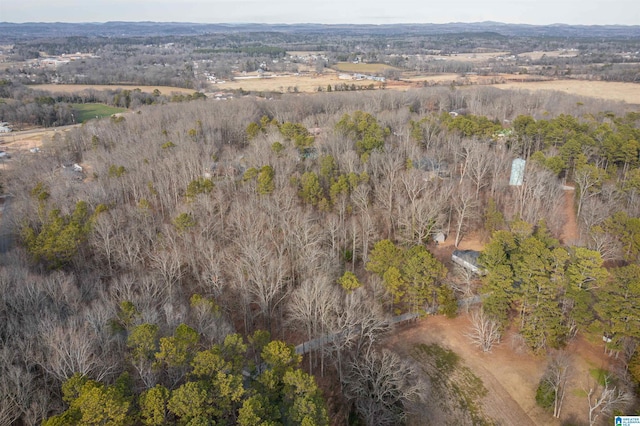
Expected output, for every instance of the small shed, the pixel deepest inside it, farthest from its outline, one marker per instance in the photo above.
(439, 238)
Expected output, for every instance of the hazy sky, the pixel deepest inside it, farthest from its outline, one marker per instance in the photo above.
(626, 12)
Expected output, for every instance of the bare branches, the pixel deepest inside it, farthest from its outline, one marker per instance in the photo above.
(484, 332)
(465, 205)
(382, 385)
(71, 348)
(555, 377)
(604, 401)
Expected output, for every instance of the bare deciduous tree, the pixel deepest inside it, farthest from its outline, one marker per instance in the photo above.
(588, 180)
(103, 237)
(355, 325)
(479, 163)
(383, 386)
(264, 275)
(9, 400)
(310, 306)
(602, 402)
(484, 332)
(167, 262)
(71, 348)
(464, 281)
(465, 205)
(539, 197)
(556, 376)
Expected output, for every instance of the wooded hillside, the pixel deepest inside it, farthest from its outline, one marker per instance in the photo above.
(166, 281)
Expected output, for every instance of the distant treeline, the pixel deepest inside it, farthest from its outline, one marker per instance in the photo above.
(21, 105)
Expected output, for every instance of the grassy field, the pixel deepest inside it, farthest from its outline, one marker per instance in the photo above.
(86, 112)
(363, 68)
(615, 91)
(627, 92)
(454, 385)
(288, 83)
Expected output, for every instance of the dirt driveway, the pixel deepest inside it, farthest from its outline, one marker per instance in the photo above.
(509, 373)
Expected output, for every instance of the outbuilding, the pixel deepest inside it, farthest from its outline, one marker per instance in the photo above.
(468, 259)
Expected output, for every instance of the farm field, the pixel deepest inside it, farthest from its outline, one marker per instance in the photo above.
(477, 58)
(309, 83)
(88, 111)
(71, 88)
(467, 57)
(288, 83)
(363, 68)
(435, 78)
(615, 91)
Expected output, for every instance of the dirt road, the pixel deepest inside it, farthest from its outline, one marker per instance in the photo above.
(510, 375)
(570, 234)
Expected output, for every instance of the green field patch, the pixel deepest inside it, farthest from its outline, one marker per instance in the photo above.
(454, 385)
(363, 68)
(84, 112)
(600, 375)
(580, 393)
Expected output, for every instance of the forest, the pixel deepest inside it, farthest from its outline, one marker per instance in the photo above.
(169, 281)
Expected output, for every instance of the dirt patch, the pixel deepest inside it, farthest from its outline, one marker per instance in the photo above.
(22, 141)
(509, 373)
(471, 241)
(569, 234)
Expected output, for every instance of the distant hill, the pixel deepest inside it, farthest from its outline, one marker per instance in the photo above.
(10, 32)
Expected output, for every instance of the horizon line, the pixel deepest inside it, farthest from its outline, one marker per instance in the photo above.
(316, 23)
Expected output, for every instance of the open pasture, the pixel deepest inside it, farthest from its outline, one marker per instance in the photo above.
(613, 91)
(363, 68)
(86, 112)
(304, 83)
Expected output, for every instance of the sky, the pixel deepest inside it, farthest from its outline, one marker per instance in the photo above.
(537, 12)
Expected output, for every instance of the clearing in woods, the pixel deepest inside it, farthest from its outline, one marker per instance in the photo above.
(472, 387)
(86, 112)
(497, 387)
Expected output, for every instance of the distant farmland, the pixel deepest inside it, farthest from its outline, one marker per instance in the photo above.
(363, 68)
(615, 91)
(73, 88)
